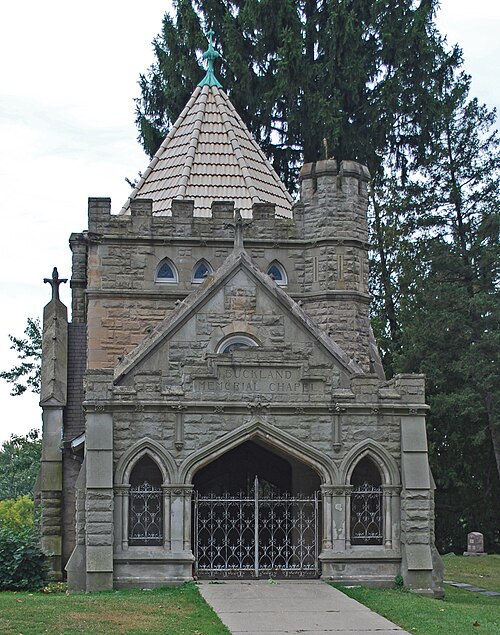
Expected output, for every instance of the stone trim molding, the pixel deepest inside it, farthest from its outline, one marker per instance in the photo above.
(379, 455)
(161, 456)
(273, 437)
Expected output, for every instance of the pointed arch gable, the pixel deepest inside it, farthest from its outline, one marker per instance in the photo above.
(161, 456)
(388, 467)
(273, 437)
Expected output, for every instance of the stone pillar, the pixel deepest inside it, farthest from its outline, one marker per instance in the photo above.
(99, 501)
(177, 500)
(167, 540)
(327, 516)
(417, 519)
(76, 566)
(348, 491)
(121, 511)
(53, 396)
(50, 492)
(340, 510)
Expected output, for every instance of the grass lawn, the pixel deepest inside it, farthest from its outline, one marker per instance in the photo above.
(169, 611)
(460, 613)
(480, 571)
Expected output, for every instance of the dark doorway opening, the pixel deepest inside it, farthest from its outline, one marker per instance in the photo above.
(256, 514)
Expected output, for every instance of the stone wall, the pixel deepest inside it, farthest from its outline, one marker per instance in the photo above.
(323, 251)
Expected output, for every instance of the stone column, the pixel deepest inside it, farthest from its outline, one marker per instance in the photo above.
(122, 493)
(167, 539)
(326, 492)
(180, 517)
(53, 395)
(99, 503)
(341, 509)
(389, 492)
(348, 491)
(177, 499)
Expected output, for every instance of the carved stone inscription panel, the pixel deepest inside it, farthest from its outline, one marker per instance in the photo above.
(243, 381)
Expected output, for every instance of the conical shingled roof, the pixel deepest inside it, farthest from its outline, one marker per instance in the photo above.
(209, 155)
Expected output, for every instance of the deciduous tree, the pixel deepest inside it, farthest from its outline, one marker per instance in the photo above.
(26, 375)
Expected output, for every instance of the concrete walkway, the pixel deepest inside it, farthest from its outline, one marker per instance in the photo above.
(310, 607)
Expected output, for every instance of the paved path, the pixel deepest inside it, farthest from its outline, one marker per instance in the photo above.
(310, 607)
(469, 587)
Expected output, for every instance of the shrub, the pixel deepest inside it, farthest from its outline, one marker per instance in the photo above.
(23, 566)
(16, 515)
(22, 563)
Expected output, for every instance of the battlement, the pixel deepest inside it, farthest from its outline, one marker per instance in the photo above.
(325, 177)
(264, 224)
(333, 200)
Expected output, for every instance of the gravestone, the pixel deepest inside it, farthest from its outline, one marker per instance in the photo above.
(475, 544)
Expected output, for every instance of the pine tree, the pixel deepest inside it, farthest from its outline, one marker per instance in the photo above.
(448, 310)
(311, 79)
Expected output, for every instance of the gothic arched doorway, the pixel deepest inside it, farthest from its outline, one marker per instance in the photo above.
(256, 513)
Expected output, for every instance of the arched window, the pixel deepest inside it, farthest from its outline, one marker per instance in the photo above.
(235, 341)
(166, 272)
(145, 523)
(201, 270)
(366, 504)
(277, 273)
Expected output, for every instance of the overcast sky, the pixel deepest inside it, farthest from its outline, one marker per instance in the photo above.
(68, 78)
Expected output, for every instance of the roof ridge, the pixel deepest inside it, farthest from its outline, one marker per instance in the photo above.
(161, 149)
(193, 143)
(258, 148)
(236, 145)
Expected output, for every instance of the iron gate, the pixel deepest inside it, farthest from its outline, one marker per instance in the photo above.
(257, 535)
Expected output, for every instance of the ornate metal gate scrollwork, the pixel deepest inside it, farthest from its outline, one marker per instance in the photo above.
(145, 522)
(258, 534)
(366, 515)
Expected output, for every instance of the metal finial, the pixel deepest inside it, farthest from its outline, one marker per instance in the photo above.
(54, 282)
(210, 55)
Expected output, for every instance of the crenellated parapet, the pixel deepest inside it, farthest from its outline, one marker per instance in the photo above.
(333, 200)
(183, 223)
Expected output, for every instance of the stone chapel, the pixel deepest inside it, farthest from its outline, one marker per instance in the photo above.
(216, 407)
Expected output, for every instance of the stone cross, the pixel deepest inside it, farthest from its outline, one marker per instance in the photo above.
(238, 226)
(54, 282)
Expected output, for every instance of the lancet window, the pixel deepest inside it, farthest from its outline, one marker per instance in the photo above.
(166, 272)
(145, 523)
(277, 273)
(201, 270)
(366, 504)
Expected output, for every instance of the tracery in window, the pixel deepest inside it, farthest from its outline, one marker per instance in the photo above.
(166, 272)
(235, 341)
(366, 504)
(201, 270)
(277, 273)
(145, 523)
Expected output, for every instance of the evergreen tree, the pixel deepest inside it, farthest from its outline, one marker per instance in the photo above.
(353, 79)
(444, 272)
